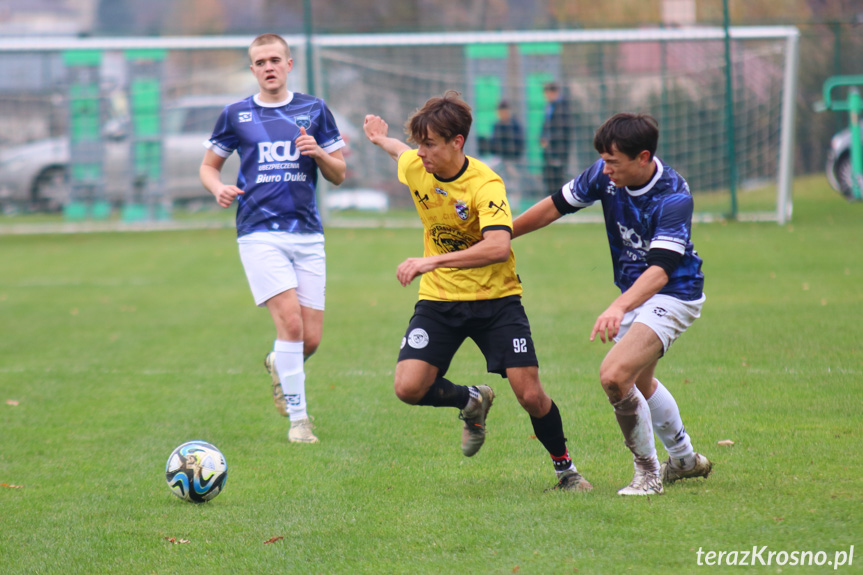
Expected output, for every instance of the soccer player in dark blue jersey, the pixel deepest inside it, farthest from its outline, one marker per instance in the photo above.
(648, 219)
(283, 138)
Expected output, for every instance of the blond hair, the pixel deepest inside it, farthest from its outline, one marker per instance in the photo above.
(265, 39)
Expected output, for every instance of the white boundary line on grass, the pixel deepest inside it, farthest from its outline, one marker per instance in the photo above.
(109, 227)
(382, 222)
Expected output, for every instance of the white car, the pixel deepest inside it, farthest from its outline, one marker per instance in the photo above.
(36, 175)
(839, 170)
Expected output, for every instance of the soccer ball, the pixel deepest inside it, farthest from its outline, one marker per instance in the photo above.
(196, 471)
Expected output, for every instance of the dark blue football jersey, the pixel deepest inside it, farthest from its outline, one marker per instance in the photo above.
(278, 182)
(659, 215)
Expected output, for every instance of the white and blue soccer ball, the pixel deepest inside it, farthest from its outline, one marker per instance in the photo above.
(196, 471)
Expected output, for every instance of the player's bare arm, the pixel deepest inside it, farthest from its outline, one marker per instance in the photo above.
(376, 131)
(645, 287)
(332, 165)
(211, 176)
(537, 216)
(492, 249)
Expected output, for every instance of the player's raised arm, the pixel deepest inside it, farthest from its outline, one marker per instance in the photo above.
(376, 131)
(537, 216)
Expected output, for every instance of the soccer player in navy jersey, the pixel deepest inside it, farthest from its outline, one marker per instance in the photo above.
(283, 138)
(468, 284)
(648, 219)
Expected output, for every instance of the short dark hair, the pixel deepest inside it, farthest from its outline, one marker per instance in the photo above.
(447, 115)
(630, 133)
(551, 87)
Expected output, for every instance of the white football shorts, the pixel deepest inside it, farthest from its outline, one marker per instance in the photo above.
(667, 316)
(278, 261)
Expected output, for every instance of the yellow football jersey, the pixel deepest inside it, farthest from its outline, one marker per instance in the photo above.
(454, 214)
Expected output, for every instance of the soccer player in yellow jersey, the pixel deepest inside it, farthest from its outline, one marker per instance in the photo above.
(469, 287)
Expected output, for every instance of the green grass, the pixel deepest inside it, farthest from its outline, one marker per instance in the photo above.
(119, 346)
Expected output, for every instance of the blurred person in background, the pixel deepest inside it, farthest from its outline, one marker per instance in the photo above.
(507, 144)
(555, 138)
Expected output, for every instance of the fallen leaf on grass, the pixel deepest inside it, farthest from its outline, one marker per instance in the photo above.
(10, 486)
(273, 539)
(11, 402)
(725, 442)
(176, 541)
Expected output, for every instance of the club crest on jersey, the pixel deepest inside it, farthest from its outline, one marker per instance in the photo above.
(461, 210)
(304, 121)
(440, 191)
(611, 189)
(243, 117)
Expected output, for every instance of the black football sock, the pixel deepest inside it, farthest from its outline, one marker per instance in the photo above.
(444, 393)
(549, 431)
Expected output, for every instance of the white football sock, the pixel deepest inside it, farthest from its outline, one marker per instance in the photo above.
(289, 361)
(669, 427)
(633, 416)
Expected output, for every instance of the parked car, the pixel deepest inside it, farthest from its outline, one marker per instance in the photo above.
(839, 162)
(36, 175)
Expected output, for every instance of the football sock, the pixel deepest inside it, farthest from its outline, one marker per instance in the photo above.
(444, 393)
(633, 417)
(562, 464)
(549, 432)
(289, 362)
(669, 427)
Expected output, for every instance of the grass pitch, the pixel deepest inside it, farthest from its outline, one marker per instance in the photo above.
(116, 348)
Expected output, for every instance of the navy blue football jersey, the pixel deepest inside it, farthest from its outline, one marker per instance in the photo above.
(278, 182)
(658, 215)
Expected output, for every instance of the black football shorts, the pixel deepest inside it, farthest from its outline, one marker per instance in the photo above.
(499, 327)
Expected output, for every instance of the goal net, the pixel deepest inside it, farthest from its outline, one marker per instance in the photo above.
(677, 75)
